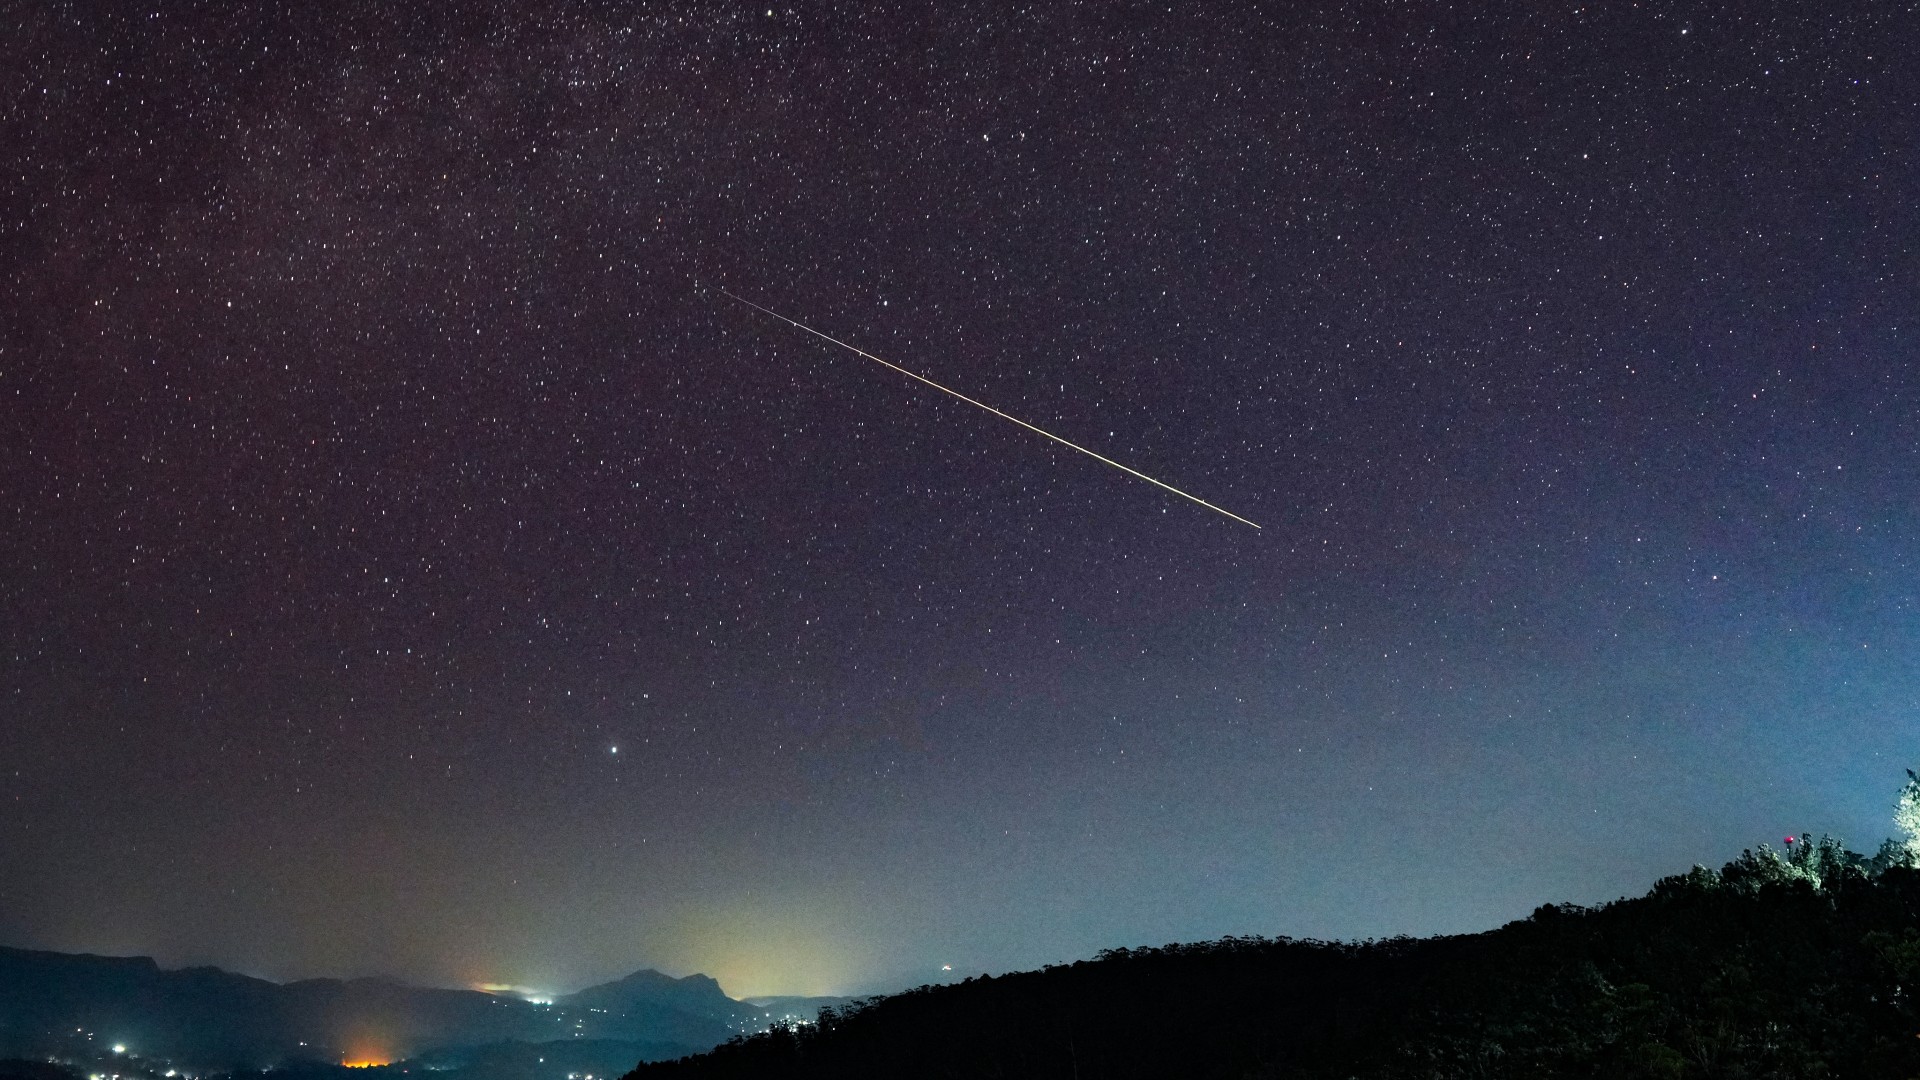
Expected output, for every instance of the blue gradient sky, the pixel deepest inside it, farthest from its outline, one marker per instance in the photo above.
(408, 567)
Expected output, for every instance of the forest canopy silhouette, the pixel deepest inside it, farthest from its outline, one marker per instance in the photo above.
(1794, 962)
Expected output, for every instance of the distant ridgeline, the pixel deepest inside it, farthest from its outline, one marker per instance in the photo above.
(1802, 964)
(125, 1016)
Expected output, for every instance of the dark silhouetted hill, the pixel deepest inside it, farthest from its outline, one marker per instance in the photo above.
(77, 1006)
(689, 1010)
(1802, 966)
(602, 1059)
(18, 1069)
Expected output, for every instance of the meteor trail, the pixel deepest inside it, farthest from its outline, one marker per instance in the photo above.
(989, 408)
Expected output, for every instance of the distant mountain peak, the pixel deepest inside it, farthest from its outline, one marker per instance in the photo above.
(644, 975)
(144, 963)
(211, 1019)
(651, 989)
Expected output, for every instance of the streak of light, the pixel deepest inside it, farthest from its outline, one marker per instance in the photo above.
(981, 404)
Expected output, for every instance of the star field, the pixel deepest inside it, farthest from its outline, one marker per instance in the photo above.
(377, 455)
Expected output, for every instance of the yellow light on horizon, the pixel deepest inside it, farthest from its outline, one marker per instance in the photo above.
(367, 1053)
(524, 993)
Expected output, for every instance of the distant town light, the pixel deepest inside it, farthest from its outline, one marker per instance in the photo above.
(119, 1048)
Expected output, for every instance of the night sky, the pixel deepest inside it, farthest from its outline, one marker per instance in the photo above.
(411, 562)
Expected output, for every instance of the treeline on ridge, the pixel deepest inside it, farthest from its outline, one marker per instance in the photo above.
(1797, 964)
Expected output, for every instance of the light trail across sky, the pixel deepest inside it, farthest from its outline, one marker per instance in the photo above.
(981, 404)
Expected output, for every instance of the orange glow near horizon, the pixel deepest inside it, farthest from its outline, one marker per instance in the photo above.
(366, 1053)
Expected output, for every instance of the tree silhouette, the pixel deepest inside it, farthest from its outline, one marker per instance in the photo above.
(1795, 963)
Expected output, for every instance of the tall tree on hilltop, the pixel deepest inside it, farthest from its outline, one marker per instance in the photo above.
(1906, 818)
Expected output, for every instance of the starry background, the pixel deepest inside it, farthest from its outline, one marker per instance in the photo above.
(411, 564)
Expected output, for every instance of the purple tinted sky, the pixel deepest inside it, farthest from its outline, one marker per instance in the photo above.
(373, 467)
